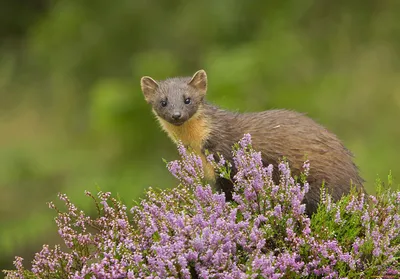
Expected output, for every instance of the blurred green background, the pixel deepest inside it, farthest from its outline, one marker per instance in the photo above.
(73, 118)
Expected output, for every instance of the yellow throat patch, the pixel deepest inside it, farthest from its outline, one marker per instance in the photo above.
(193, 133)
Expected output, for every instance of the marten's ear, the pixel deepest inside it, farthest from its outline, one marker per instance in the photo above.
(199, 81)
(149, 87)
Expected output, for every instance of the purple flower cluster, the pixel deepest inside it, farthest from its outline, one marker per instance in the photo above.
(191, 232)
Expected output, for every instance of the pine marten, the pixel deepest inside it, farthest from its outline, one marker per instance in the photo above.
(179, 105)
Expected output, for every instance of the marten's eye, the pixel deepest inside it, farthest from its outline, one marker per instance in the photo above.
(188, 101)
(164, 103)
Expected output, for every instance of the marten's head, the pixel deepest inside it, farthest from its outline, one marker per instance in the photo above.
(175, 100)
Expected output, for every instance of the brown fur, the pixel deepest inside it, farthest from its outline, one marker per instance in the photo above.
(276, 133)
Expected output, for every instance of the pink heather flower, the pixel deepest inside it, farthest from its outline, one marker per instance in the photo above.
(337, 215)
(278, 211)
(210, 158)
(306, 187)
(285, 171)
(245, 142)
(192, 232)
(306, 167)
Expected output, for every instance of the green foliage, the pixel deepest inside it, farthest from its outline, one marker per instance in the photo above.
(345, 231)
(347, 222)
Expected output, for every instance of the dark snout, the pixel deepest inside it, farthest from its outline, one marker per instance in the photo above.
(177, 118)
(176, 115)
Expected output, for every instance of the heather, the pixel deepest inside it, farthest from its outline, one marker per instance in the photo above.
(190, 231)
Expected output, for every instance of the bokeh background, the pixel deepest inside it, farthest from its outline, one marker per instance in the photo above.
(73, 118)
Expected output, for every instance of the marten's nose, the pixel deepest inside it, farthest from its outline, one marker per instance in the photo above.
(176, 115)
